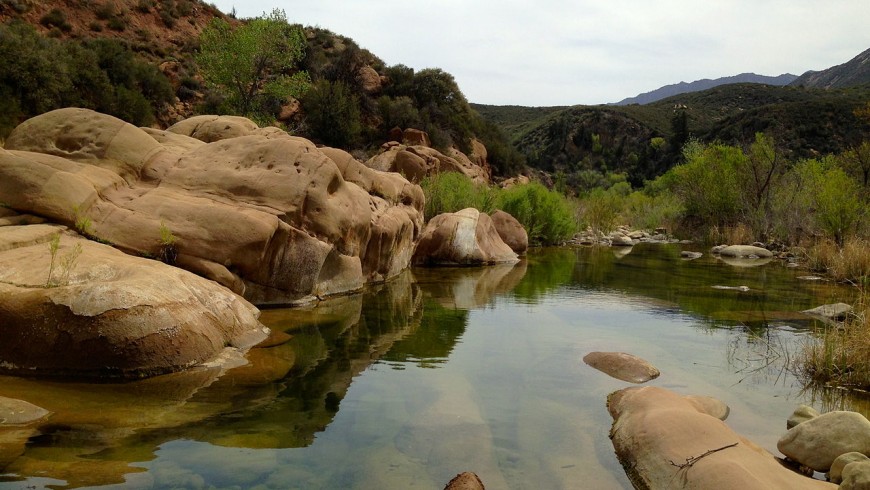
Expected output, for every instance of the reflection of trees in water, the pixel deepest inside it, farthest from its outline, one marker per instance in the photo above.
(547, 270)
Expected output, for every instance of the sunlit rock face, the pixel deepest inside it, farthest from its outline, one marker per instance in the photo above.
(86, 310)
(666, 440)
(268, 215)
(466, 237)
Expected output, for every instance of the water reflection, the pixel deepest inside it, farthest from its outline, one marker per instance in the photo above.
(490, 332)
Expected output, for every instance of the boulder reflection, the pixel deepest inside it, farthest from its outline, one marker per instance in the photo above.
(285, 394)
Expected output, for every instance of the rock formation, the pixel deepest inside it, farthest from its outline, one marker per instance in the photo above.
(664, 440)
(268, 215)
(622, 366)
(75, 307)
(819, 441)
(415, 159)
(467, 237)
(511, 231)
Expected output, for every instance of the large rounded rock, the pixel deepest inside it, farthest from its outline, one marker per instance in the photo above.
(800, 415)
(93, 311)
(745, 251)
(819, 441)
(268, 215)
(856, 476)
(467, 237)
(664, 441)
(465, 481)
(836, 472)
(511, 231)
(622, 366)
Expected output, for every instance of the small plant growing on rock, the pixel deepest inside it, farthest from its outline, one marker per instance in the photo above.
(84, 225)
(168, 252)
(67, 262)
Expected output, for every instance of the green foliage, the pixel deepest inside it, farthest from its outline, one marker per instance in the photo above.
(252, 62)
(56, 18)
(839, 208)
(451, 191)
(332, 114)
(168, 251)
(707, 183)
(67, 262)
(600, 210)
(39, 74)
(547, 216)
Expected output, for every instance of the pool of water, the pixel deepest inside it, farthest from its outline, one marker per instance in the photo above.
(442, 371)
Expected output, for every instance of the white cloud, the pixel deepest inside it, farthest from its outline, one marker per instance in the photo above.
(559, 52)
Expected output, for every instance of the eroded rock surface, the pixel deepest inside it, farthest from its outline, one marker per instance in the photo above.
(268, 215)
(664, 441)
(98, 312)
(511, 231)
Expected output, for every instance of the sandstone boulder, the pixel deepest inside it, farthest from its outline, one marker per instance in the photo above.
(370, 81)
(416, 161)
(19, 412)
(465, 481)
(819, 441)
(268, 215)
(664, 441)
(710, 406)
(835, 474)
(620, 240)
(511, 231)
(93, 311)
(745, 251)
(800, 415)
(415, 137)
(856, 476)
(467, 237)
(622, 366)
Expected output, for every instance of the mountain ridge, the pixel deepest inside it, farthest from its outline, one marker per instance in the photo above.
(704, 84)
(853, 72)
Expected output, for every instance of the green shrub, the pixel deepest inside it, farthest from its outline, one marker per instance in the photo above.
(547, 215)
(451, 191)
(332, 114)
(56, 18)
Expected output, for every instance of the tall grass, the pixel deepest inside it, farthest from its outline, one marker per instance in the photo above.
(451, 191)
(849, 263)
(841, 357)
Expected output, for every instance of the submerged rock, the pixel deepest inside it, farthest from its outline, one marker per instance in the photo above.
(835, 311)
(622, 366)
(94, 311)
(691, 255)
(819, 441)
(664, 441)
(467, 237)
(19, 412)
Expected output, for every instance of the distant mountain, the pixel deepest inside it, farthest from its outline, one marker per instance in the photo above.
(699, 85)
(853, 72)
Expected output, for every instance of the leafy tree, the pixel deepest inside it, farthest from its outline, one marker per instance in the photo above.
(332, 114)
(547, 216)
(252, 61)
(758, 176)
(857, 161)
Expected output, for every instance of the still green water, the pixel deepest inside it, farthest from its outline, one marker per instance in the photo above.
(441, 371)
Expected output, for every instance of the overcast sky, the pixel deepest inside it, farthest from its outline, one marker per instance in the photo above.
(558, 52)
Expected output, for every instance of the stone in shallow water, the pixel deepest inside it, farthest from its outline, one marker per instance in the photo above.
(620, 365)
(19, 412)
(686, 254)
(800, 415)
(745, 251)
(835, 311)
(709, 405)
(465, 481)
(839, 464)
(819, 441)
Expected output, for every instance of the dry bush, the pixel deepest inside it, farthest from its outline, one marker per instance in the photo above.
(841, 357)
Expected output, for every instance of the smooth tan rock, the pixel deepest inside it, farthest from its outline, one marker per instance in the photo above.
(745, 251)
(835, 475)
(655, 431)
(268, 215)
(414, 137)
(835, 311)
(856, 476)
(801, 414)
(467, 237)
(709, 405)
(107, 314)
(819, 441)
(622, 366)
(511, 231)
(465, 481)
(19, 412)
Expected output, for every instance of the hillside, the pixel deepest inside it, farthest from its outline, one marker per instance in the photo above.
(704, 84)
(851, 73)
(643, 141)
